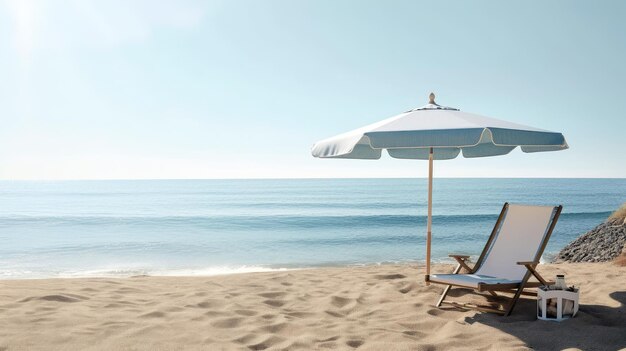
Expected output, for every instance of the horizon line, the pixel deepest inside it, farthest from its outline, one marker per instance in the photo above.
(279, 178)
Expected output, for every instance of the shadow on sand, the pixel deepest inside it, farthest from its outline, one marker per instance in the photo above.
(595, 327)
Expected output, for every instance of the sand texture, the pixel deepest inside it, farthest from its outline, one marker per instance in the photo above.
(364, 308)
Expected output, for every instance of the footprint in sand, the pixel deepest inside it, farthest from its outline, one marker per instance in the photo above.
(272, 295)
(205, 304)
(339, 301)
(405, 288)
(274, 303)
(227, 322)
(354, 343)
(435, 312)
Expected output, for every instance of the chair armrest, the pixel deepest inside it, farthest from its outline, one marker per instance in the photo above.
(459, 256)
(530, 266)
(462, 261)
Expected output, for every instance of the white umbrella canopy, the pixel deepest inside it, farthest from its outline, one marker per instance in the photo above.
(434, 132)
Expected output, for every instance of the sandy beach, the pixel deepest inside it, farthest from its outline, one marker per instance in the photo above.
(366, 308)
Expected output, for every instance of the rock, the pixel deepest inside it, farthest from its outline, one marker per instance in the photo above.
(601, 244)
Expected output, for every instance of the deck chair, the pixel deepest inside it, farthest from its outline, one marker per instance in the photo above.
(509, 258)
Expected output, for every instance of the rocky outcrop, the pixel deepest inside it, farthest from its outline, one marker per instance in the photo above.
(601, 244)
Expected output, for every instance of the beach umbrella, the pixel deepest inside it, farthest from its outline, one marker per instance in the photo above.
(434, 132)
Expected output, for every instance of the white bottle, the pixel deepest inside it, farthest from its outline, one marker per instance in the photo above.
(560, 282)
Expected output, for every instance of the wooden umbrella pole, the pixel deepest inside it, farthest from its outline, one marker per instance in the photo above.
(430, 211)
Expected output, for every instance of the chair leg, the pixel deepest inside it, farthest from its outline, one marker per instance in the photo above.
(515, 297)
(509, 308)
(443, 295)
(530, 270)
(447, 288)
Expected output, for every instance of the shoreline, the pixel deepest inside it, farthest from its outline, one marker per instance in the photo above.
(216, 271)
(366, 308)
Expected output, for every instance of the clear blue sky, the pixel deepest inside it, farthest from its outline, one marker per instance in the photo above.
(241, 89)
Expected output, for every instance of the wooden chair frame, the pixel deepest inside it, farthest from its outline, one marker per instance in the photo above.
(516, 288)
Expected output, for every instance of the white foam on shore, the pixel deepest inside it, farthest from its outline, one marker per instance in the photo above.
(130, 272)
(219, 270)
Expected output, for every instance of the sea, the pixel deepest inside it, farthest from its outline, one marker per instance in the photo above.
(206, 227)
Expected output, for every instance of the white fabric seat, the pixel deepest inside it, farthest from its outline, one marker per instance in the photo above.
(518, 239)
(469, 280)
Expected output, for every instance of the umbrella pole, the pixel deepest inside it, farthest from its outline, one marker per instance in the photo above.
(430, 210)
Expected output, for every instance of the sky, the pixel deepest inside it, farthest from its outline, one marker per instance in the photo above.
(242, 89)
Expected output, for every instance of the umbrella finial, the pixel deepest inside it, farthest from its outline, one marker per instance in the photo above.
(431, 98)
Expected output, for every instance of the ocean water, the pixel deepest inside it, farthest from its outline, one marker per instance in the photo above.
(204, 227)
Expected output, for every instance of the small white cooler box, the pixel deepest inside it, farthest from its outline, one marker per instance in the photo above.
(556, 305)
